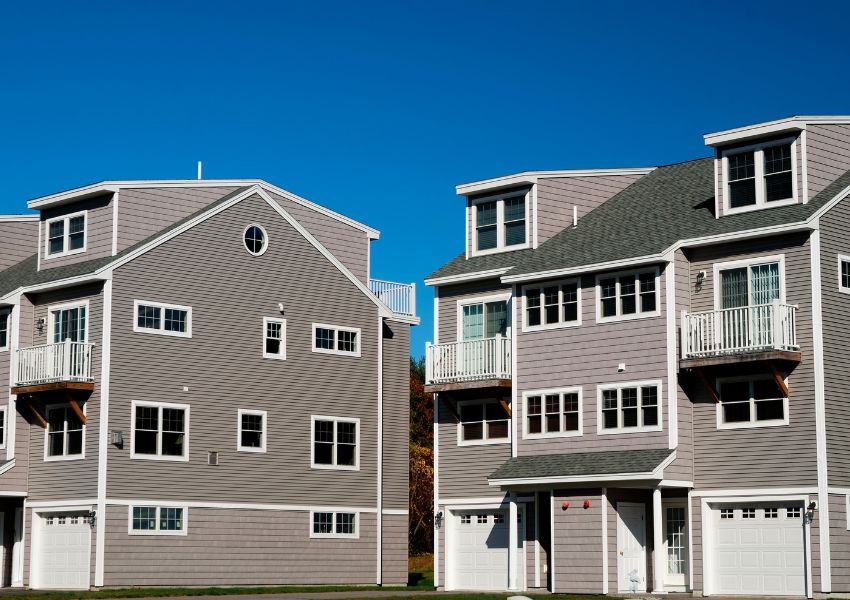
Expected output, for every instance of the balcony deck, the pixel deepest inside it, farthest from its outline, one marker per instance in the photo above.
(63, 366)
(470, 364)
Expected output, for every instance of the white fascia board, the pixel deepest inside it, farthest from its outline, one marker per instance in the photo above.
(581, 479)
(532, 177)
(605, 266)
(8, 465)
(59, 284)
(797, 122)
(18, 218)
(477, 276)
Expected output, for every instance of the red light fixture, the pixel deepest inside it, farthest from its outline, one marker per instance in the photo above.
(587, 503)
(565, 505)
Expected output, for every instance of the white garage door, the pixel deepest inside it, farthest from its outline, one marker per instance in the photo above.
(758, 549)
(479, 560)
(64, 551)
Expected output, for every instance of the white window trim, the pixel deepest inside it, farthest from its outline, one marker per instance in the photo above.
(758, 150)
(561, 324)
(260, 413)
(64, 457)
(157, 531)
(336, 329)
(282, 354)
(749, 424)
(65, 306)
(560, 434)
(627, 430)
(500, 223)
(638, 315)
(842, 258)
(7, 315)
(505, 297)
(161, 330)
(160, 405)
(5, 414)
(748, 262)
(265, 239)
(334, 535)
(334, 467)
(66, 235)
(484, 442)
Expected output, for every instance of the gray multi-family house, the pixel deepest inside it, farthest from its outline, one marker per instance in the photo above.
(640, 374)
(204, 386)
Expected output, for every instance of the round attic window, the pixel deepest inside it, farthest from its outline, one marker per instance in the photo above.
(255, 239)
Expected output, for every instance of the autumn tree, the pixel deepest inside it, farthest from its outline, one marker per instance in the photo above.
(421, 487)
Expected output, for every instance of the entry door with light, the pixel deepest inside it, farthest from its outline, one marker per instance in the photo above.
(68, 324)
(675, 533)
(482, 323)
(746, 297)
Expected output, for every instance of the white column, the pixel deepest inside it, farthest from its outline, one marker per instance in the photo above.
(658, 563)
(512, 541)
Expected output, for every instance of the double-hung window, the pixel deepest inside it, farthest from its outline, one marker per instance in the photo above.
(630, 407)
(552, 305)
(160, 431)
(336, 443)
(157, 520)
(553, 413)
(162, 319)
(274, 338)
(66, 235)
(4, 330)
(332, 524)
(483, 422)
(760, 176)
(843, 274)
(64, 435)
(500, 222)
(330, 339)
(252, 431)
(627, 295)
(751, 402)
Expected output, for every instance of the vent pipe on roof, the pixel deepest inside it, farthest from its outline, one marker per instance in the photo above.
(575, 216)
(200, 169)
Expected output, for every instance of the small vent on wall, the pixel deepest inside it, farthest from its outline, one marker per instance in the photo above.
(212, 459)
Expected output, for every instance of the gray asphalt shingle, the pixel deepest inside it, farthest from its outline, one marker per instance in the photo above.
(581, 463)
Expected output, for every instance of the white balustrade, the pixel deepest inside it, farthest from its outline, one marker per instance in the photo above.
(470, 360)
(399, 297)
(50, 363)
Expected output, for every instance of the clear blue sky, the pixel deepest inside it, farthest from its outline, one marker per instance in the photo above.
(378, 109)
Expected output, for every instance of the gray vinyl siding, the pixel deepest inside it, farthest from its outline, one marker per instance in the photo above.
(557, 196)
(839, 543)
(463, 470)
(98, 230)
(52, 480)
(394, 550)
(238, 547)
(451, 295)
(223, 370)
(736, 458)
(348, 244)
(836, 331)
(15, 479)
(396, 414)
(827, 154)
(18, 240)
(587, 356)
(683, 467)
(142, 212)
(578, 542)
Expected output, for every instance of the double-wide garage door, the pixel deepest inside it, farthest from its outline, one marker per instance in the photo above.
(758, 549)
(63, 551)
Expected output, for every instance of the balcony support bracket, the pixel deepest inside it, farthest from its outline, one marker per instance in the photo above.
(75, 407)
(779, 379)
(505, 406)
(450, 406)
(38, 416)
(710, 388)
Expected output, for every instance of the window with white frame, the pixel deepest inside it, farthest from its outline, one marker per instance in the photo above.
(4, 330)
(482, 422)
(68, 322)
(162, 319)
(336, 443)
(750, 402)
(64, 435)
(252, 430)
(158, 520)
(500, 222)
(274, 338)
(330, 339)
(760, 176)
(255, 240)
(553, 413)
(66, 235)
(333, 524)
(160, 431)
(844, 273)
(627, 295)
(630, 407)
(552, 305)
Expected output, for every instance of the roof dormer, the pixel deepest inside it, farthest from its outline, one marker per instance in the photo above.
(499, 222)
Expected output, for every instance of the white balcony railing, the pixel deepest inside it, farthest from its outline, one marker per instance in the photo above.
(471, 360)
(739, 330)
(399, 297)
(51, 363)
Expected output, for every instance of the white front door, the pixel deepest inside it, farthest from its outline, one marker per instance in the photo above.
(63, 551)
(631, 547)
(675, 534)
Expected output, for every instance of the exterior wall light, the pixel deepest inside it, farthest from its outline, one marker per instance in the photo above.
(587, 503)
(565, 505)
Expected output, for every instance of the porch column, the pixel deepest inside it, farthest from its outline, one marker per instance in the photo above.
(658, 563)
(513, 538)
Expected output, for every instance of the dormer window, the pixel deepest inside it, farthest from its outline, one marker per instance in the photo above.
(500, 223)
(760, 176)
(66, 235)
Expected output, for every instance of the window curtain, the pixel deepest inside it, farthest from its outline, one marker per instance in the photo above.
(734, 288)
(765, 283)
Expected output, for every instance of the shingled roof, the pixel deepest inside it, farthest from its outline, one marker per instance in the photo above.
(581, 464)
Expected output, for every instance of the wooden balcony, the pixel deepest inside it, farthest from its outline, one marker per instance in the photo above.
(399, 297)
(470, 364)
(66, 365)
(767, 332)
